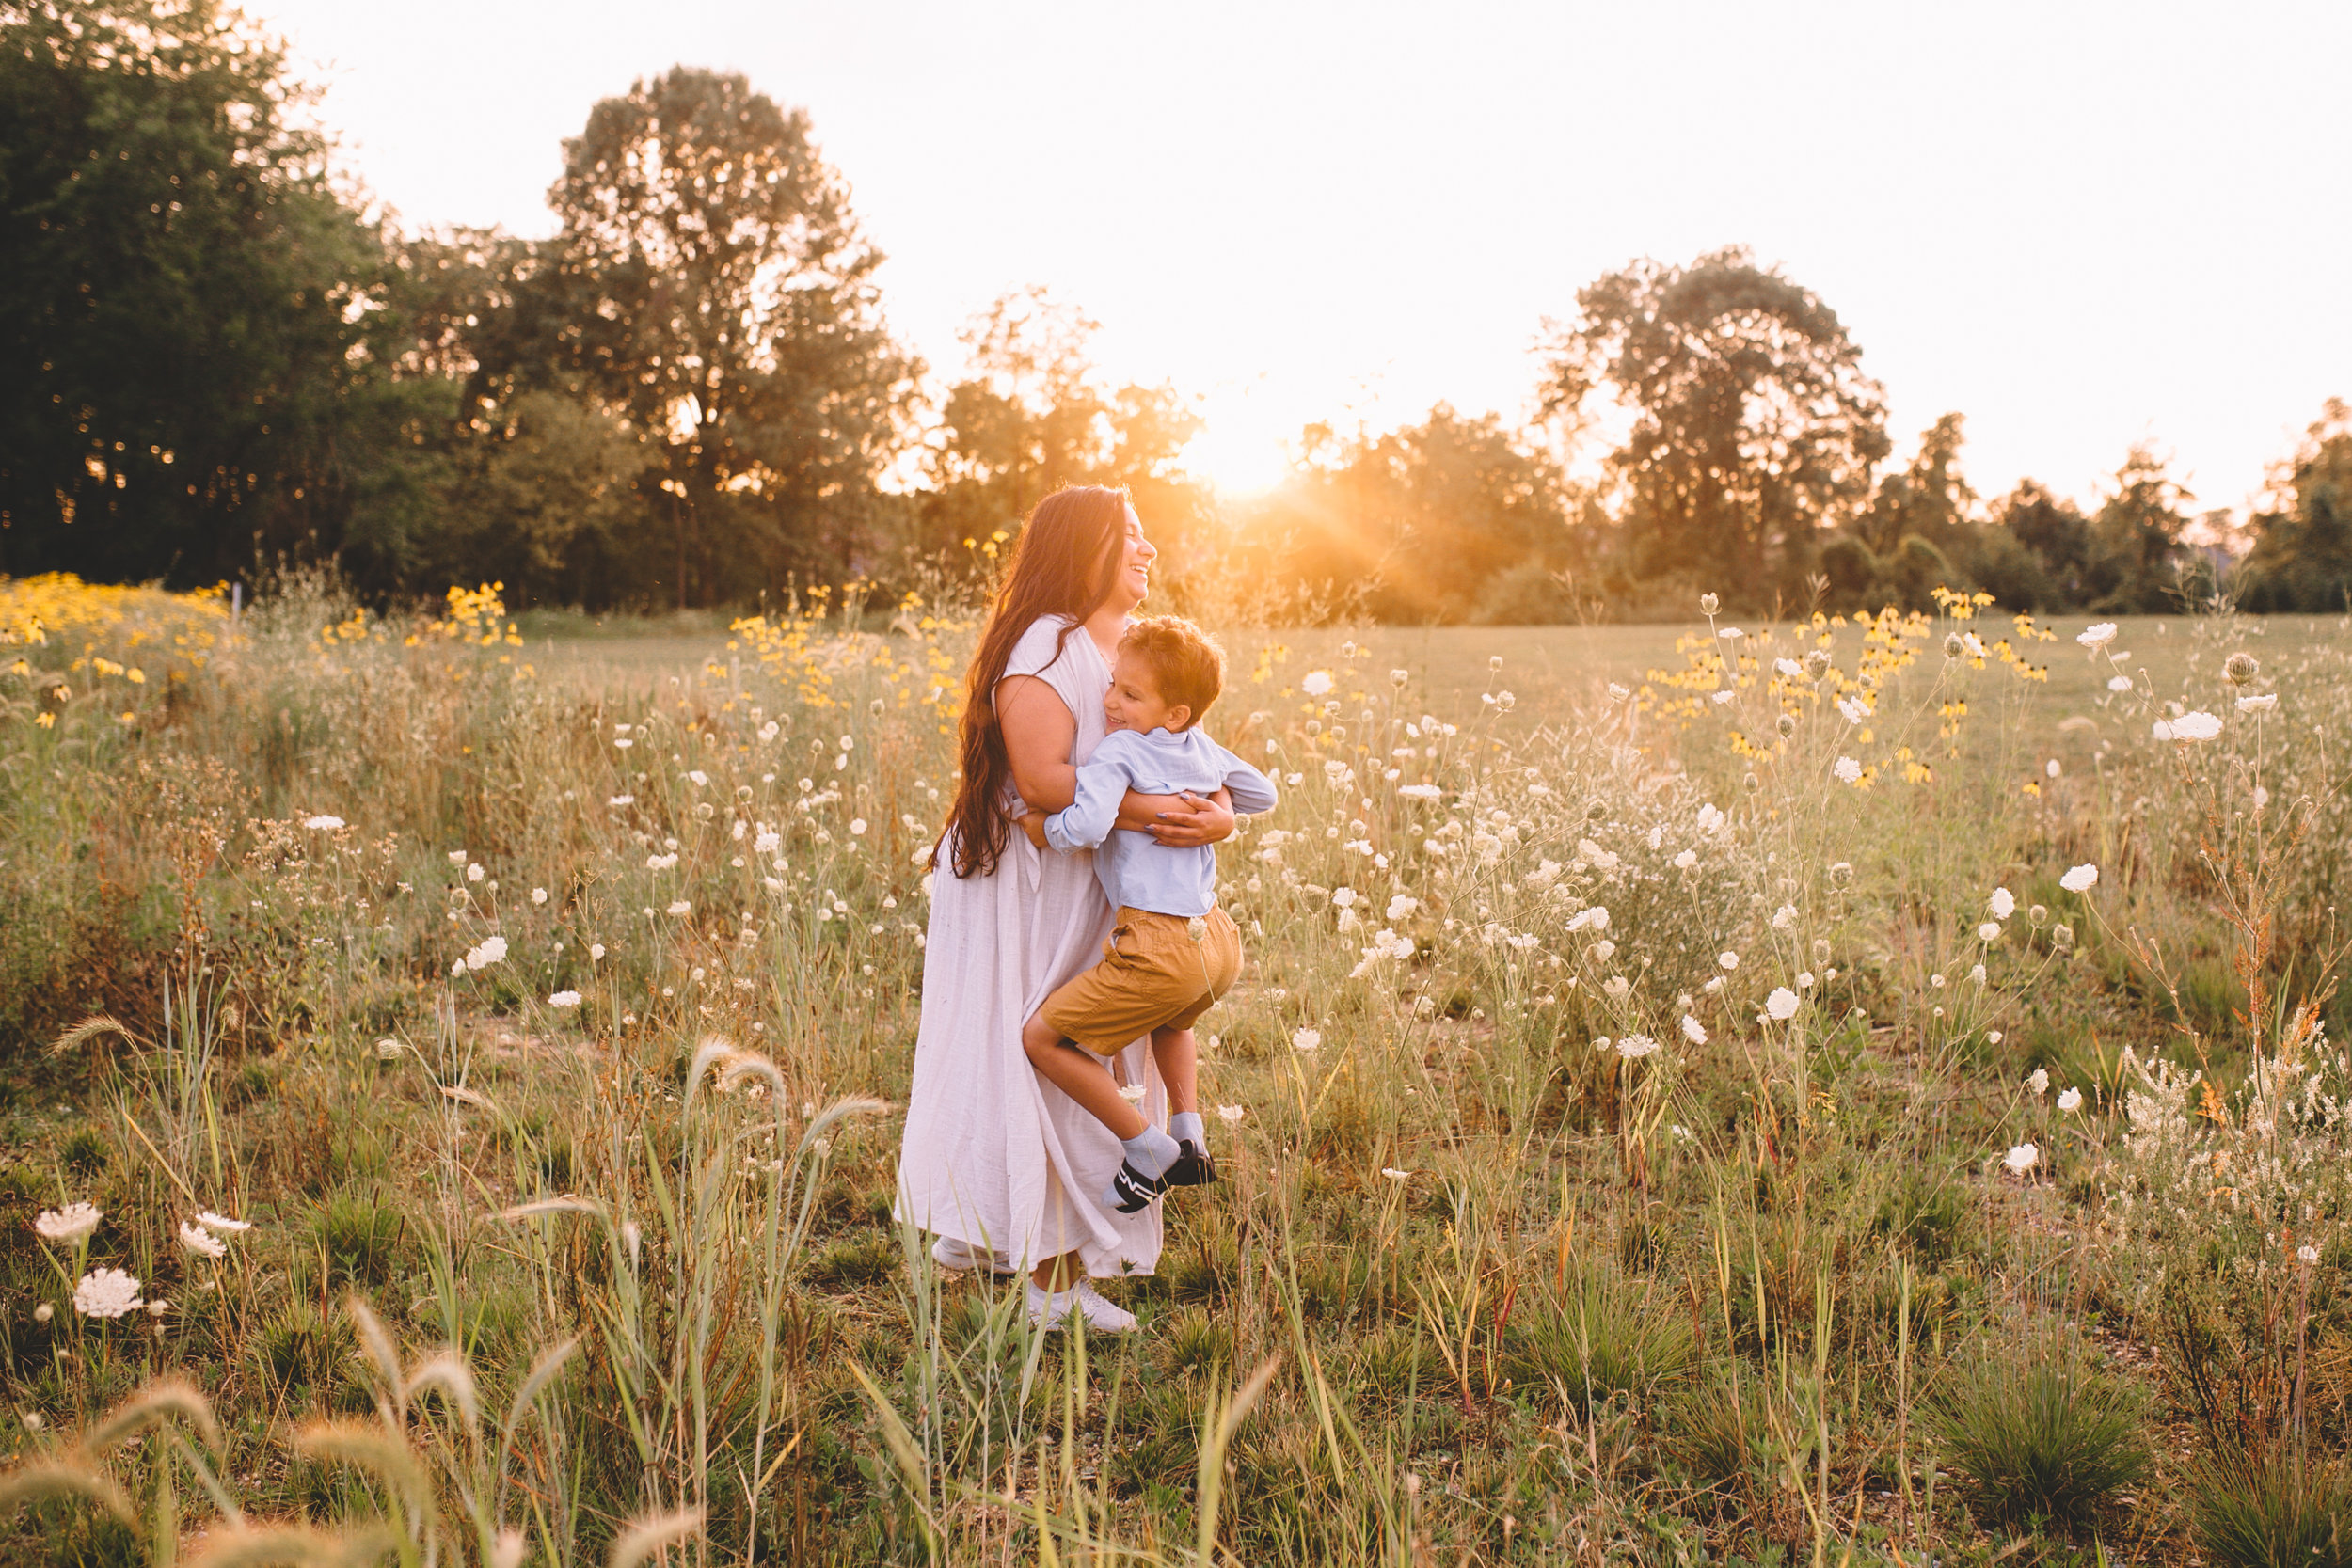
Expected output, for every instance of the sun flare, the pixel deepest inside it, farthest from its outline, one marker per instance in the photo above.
(1240, 450)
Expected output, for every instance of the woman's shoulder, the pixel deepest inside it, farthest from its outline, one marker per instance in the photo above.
(1040, 645)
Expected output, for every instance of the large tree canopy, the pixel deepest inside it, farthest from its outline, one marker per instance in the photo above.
(2302, 555)
(184, 301)
(716, 293)
(1752, 424)
(1033, 415)
(1451, 519)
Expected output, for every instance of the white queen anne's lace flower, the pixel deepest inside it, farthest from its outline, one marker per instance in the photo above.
(1782, 1004)
(2082, 878)
(1634, 1047)
(2070, 1100)
(564, 999)
(1306, 1039)
(1316, 684)
(2022, 1158)
(489, 951)
(201, 1241)
(1848, 770)
(2263, 704)
(69, 1224)
(1693, 1030)
(2003, 903)
(1230, 1115)
(108, 1294)
(330, 824)
(2098, 637)
(2196, 725)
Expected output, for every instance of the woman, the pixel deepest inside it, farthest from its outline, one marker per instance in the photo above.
(1002, 1166)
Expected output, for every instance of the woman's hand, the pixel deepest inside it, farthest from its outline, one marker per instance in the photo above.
(1194, 819)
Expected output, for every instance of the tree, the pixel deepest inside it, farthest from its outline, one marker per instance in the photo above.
(1753, 427)
(2135, 538)
(1451, 519)
(716, 292)
(187, 365)
(2055, 536)
(554, 499)
(1929, 497)
(1033, 415)
(2302, 554)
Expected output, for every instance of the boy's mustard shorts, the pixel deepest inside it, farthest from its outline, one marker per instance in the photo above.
(1153, 976)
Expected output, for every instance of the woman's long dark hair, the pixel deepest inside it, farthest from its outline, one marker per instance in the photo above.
(1062, 563)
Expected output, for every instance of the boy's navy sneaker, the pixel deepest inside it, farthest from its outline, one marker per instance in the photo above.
(1192, 1167)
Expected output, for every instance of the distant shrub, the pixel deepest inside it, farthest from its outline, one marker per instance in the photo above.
(360, 1237)
(855, 1261)
(1927, 1213)
(2271, 1512)
(2040, 1433)
(1603, 1337)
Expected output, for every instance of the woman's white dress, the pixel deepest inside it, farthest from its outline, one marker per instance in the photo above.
(995, 1155)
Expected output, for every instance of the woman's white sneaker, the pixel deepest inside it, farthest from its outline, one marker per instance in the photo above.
(951, 1252)
(1051, 1310)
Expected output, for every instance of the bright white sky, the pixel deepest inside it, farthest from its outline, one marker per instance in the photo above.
(2080, 225)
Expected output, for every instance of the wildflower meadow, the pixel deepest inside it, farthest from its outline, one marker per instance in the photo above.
(1869, 1090)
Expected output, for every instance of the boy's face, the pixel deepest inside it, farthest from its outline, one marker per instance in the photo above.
(1134, 701)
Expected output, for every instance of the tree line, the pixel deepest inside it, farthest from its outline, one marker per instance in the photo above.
(213, 357)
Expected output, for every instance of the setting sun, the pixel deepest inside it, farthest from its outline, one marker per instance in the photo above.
(1240, 449)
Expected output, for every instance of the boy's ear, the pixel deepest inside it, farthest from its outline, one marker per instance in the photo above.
(1179, 719)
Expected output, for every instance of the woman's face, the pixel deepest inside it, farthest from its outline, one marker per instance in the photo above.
(1134, 577)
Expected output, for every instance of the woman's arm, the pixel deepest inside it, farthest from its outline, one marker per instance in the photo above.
(1038, 734)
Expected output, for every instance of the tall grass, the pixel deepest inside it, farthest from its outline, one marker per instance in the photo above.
(1634, 1148)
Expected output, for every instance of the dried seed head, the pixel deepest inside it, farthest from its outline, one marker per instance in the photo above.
(2241, 668)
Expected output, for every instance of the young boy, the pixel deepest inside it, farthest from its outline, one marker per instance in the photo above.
(1173, 952)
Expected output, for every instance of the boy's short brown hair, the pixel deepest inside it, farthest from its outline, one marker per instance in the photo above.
(1187, 664)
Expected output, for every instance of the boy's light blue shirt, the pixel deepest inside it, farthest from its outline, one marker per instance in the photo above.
(1137, 870)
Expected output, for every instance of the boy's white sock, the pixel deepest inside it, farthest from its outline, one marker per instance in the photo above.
(1150, 1152)
(1186, 1127)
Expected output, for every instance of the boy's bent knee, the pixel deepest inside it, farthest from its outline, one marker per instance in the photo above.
(1039, 1037)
